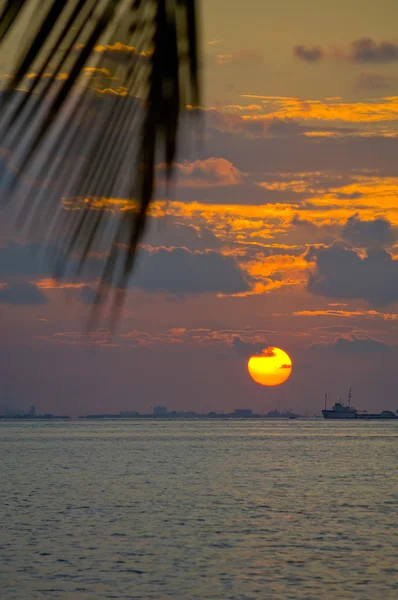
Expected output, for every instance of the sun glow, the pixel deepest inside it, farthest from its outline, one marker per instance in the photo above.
(272, 367)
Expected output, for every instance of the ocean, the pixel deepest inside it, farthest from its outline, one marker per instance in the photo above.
(199, 509)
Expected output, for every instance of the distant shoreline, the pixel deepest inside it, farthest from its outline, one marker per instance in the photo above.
(33, 418)
(149, 418)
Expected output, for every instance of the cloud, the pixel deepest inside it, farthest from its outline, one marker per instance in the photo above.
(354, 345)
(143, 338)
(276, 117)
(176, 270)
(341, 272)
(99, 338)
(373, 82)
(211, 172)
(87, 295)
(22, 294)
(363, 234)
(347, 314)
(170, 233)
(328, 109)
(248, 349)
(22, 259)
(97, 71)
(282, 127)
(245, 342)
(118, 52)
(305, 229)
(237, 144)
(334, 329)
(299, 153)
(179, 271)
(238, 58)
(308, 54)
(363, 50)
(366, 50)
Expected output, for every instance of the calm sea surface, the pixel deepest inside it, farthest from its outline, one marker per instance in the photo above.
(184, 510)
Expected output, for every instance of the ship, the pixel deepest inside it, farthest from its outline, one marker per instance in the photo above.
(346, 411)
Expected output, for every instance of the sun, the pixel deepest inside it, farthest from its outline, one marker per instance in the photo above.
(272, 367)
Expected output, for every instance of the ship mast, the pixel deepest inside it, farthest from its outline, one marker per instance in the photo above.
(349, 397)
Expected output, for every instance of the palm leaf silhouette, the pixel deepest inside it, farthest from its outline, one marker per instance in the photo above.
(92, 105)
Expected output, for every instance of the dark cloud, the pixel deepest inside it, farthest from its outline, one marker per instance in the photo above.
(348, 196)
(304, 229)
(22, 259)
(342, 273)
(99, 338)
(366, 50)
(363, 234)
(88, 295)
(169, 233)
(288, 127)
(299, 153)
(17, 259)
(363, 50)
(354, 345)
(179, 271)
(308, 54)
(174, 270)
(334, 328)
(98, 108)
(251, 191)
(248, 146)
(22, 294)
(248, 349)
(271, 126)
(371, 82)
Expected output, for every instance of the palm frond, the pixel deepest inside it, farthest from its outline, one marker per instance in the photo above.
(93, 104)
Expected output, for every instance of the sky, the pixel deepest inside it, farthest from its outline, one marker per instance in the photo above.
(281, 231)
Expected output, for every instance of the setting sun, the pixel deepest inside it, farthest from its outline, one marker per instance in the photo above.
(272, 367)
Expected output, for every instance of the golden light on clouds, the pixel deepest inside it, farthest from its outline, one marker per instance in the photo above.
(271, 368)
(382, 109)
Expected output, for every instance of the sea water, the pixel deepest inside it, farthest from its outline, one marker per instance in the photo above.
(198, 509)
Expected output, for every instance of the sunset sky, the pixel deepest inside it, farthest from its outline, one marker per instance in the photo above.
(282, 231)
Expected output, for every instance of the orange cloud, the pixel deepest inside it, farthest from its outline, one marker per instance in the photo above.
(369, 314)
(97, 71)
(385, 109)
(278, 263)
(99, 338)
(120, 91)
(243, 107)
(118, 51)
(296, 185)
(60, 76)
(53, 284)
(238, 57)
(211, 172)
